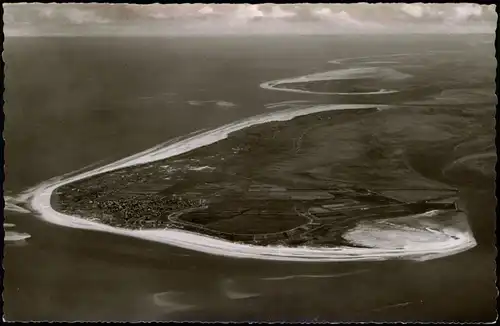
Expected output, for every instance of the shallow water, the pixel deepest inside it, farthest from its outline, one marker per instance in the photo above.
(93, 109)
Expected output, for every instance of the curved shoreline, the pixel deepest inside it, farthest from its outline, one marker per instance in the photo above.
(39, 199)
(338, 74)
(271, 85)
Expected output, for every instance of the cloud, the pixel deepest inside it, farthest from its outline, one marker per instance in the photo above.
(344, 17)
(213, 19)
(458, 13)
(78, 16)
(47, 12)
(337, 17)
(207, 10)
(8, 18)
(466, 11)
(414, 10)
(342, 21)
(72, 15)
(248, 12)
(278, 13)
(323, 13)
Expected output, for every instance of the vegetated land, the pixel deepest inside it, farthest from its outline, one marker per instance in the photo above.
(298, 182)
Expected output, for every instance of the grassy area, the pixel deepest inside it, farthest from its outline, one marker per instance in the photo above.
(265, 184)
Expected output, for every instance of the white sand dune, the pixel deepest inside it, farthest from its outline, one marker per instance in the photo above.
(12, 204)
(11, 236)
(438, 233)
(339, 74)
(435, 245)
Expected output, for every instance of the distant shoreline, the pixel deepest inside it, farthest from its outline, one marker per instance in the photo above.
(384, 35)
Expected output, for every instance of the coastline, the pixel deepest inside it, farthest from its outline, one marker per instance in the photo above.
(40, 201)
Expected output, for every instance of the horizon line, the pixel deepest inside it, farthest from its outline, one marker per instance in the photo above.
(246, 35)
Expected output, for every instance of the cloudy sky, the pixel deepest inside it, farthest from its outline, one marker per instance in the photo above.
(241, 19)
